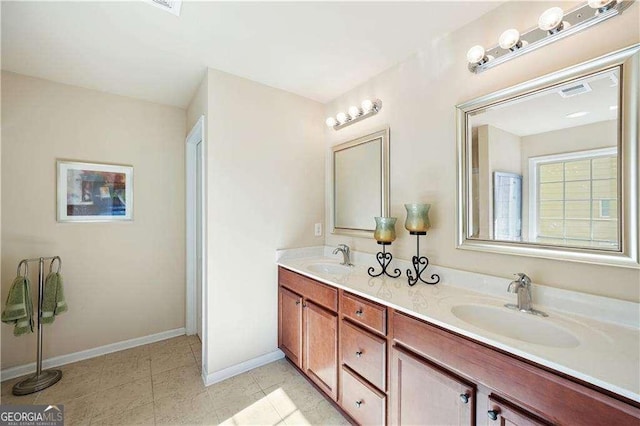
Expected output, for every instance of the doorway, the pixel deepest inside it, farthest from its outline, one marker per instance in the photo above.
(195, 239)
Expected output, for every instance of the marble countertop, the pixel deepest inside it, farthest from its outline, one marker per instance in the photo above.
(607, 351)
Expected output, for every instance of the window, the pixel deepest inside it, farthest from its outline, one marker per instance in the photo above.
(575, 199)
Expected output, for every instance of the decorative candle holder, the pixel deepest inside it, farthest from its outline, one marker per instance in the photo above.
(385, 234)
(417, 224)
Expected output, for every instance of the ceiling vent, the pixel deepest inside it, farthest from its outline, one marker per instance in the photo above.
(171, 6)
(578, 89)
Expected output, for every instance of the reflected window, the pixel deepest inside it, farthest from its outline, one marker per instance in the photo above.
(575, 199)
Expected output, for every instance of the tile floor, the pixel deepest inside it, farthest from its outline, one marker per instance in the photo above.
(160, 384)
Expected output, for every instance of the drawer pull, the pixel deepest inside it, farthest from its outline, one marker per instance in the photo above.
(358, 354)
(358, 403)
(359, 312)
(464, 397)
(493, 414)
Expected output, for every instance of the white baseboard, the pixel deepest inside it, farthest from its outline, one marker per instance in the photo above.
(234, 370)
(21, 370)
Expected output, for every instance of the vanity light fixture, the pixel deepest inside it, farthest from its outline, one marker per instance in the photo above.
(601, 5)
(551, 20)
(613, 107)
(368, 108)
(510, 40)
(417, 224)
(553, 24)
(384, 234)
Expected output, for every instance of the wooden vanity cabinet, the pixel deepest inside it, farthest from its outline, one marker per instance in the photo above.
(320, 359)
(519, 393)
(290, 325)
(308, 328)
(387, 367)
(422, 393)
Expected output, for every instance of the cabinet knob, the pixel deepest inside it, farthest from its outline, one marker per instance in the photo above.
(297, 302)
(464, 397)
(358, 403)
(493, 414)
(359, 312)
(358, 354)
(304, 305)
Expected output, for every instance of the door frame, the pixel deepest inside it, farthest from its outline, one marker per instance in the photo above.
(196, 136)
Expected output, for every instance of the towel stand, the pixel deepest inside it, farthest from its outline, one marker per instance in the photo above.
(42, 379)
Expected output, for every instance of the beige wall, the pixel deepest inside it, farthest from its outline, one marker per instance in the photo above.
(265, 174)
(122, 280)
(498, 151)
(419, 97)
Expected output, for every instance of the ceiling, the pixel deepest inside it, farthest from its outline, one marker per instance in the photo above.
(547, 111)
(318, 50)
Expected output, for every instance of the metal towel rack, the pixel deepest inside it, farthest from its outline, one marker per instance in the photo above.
(42, 379)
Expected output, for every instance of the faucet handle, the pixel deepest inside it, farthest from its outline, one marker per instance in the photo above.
(523, 278)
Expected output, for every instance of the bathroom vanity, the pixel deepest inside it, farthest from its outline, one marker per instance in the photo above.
(388, 353)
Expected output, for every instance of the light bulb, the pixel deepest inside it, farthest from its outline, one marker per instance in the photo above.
(551, 20)
(510, 39)
(354, 111)
(367, 105)
(331, 122)
(476, 55)
(342, 117)
(601, 5)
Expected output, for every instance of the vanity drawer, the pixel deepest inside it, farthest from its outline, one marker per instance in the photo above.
(308, 288)
(365, 353)
(364, 312)
(364, 404)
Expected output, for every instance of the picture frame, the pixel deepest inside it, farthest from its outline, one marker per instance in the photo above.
(94, 192)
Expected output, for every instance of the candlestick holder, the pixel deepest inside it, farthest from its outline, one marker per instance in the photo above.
(384, 259)
(420, 263)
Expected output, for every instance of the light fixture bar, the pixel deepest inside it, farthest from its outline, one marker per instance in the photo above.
(355, 114)
(579, 18)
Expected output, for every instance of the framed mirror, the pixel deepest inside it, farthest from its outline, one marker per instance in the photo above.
(549, 168)
(360, 184)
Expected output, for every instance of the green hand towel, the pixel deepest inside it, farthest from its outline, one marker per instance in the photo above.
(53, 302)
(19, 307)
(61, 304)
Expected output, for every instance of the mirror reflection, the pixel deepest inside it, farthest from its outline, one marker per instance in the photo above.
(544, 166)
(360, 183)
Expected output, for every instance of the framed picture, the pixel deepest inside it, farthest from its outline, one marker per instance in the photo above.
(94, 192)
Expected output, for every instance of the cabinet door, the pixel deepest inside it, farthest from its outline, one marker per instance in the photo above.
(321, 347)
(504, 414)
(422, 394)
(290, 325)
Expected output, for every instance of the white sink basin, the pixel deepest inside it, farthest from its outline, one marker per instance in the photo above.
(516, 325)
(329, 268)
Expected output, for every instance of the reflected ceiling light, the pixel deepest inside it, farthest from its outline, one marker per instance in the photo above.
(355, 113)
(602, 5)
(551, 20)
(552, 26)
(510, 40)
(577, 114)
(613, 107)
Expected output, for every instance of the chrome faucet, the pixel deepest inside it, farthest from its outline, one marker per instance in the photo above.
(522, 287)
(346, 254)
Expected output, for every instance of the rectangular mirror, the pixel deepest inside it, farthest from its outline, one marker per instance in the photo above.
(547, 168)
(360, 184)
